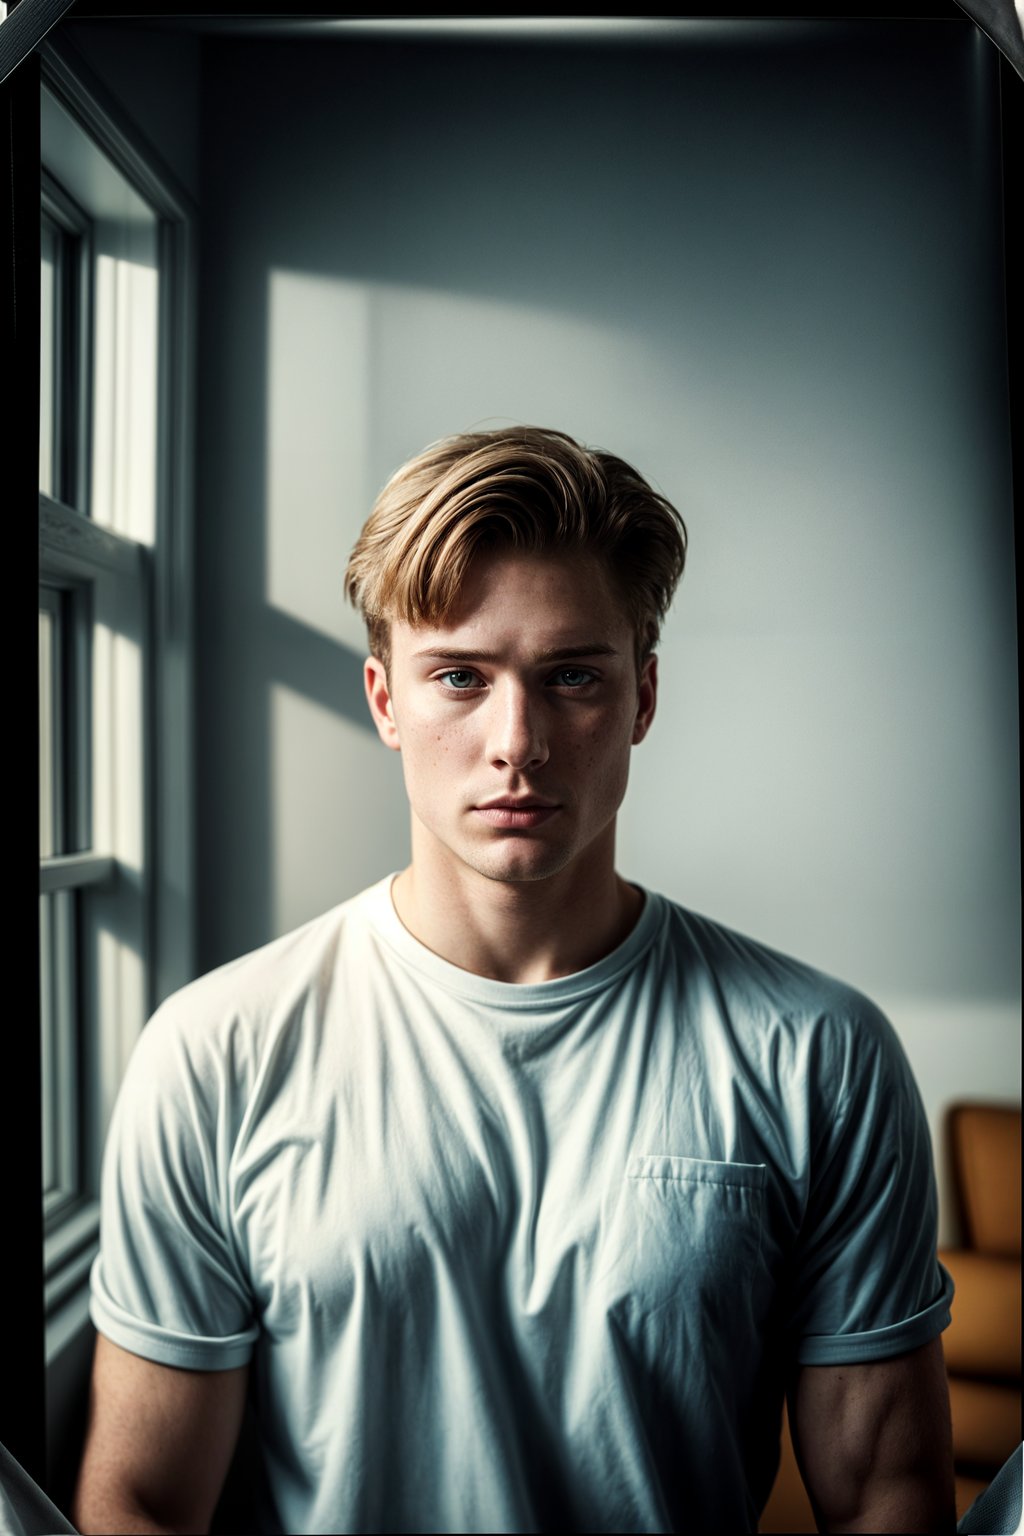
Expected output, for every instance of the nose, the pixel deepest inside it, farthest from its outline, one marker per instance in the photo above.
(517, 734)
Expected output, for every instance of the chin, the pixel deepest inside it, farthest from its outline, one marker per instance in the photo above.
(541, 866)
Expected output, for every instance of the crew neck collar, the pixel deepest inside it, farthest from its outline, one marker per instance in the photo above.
(508, 994)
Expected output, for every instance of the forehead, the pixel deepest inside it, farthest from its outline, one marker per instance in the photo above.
(567, 597)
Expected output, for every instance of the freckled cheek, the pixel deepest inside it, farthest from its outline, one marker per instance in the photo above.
(430, 744)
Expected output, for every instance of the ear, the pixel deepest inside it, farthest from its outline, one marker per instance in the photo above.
(378, 696)
(647, 698)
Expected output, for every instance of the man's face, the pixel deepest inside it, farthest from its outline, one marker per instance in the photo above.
(528, 693)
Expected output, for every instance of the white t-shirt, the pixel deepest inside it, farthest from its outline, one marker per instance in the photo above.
(517, 1258)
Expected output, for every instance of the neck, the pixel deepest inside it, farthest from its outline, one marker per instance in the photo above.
(516, 931)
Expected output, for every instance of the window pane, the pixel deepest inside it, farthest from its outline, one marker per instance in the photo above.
(59, 1048)
(119, 245)
(48, 331)
(125, 381)
(48, 1022)
(66, 1041)
(56, 772)
(47, 785)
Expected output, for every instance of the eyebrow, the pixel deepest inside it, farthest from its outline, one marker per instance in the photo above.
(553, 653)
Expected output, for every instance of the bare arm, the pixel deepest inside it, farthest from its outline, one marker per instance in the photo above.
(158, 1444)
(874, 1443)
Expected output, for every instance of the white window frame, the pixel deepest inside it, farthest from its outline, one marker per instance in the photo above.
(148, 589)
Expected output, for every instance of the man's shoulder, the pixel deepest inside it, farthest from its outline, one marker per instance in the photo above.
(810, 1040)
(762, 985)
(235, 1004)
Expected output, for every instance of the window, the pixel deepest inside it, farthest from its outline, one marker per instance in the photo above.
(113, 627)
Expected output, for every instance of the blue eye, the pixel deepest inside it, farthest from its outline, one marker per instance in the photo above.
(462, 680)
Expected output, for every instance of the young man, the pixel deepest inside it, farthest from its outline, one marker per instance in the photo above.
(517, 1195)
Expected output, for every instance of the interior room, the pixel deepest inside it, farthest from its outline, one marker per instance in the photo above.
(762, 259)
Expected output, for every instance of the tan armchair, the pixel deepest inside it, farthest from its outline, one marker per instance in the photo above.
(982, 1343)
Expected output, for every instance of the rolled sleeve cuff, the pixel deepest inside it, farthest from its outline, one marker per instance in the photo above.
(881, 1343)
(165, 1346)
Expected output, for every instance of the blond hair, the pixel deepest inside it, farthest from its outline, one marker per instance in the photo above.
(528, 488)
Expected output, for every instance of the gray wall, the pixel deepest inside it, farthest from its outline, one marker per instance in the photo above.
(763, 264)
(153, 74)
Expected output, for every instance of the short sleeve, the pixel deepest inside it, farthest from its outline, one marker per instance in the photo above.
(868, 1284)
(167, 1283)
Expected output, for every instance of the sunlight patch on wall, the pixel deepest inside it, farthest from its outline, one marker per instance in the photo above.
(451, 362)
(319, 487)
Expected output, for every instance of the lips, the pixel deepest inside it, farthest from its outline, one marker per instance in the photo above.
(510, 804)
(515, 815)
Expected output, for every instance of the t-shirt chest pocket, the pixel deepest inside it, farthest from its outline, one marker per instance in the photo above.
(686, 1235)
